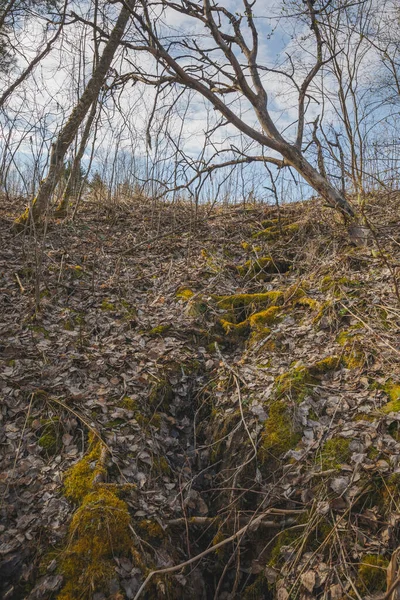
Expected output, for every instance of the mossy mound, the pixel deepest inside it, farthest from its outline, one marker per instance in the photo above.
(99, 531)
(280, 432)
(79, 479)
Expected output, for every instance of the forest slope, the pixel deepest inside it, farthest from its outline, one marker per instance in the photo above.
(185, 383)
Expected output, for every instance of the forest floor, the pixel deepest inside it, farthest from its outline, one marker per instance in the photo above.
(227, 386)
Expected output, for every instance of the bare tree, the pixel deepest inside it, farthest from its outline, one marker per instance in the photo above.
(71, 127)
(228, 66)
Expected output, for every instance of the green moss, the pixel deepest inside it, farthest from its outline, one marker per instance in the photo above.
(334, 453)
(48, 442)
(393, 391)
(279, 434)
(161, 393)
(68, 325)
(106, 305)
(294, 383)
(128, 403)
(372, 574)
(39, 329)
(78, 480)
(372, 453)
(99, 532)
(288, 537)
(113, 423)
(159, 330)
(49, 439)
(161, 465)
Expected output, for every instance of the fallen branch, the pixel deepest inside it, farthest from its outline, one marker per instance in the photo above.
(232, 538)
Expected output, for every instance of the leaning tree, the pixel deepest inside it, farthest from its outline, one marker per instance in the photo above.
(219, 54)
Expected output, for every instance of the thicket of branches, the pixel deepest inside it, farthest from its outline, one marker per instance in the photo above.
(189, 99)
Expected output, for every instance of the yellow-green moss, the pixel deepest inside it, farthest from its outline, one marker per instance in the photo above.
(184, 293)
(265, 317)
(280, 433)
(159, 330)
(106, 305)
(330, 363)
(78, 480)
(273, 232)
(129, 403)
(151, 530)
(307, 301)
(294, 383)
(334, 453)
(249, 300)
(336, 285)
(237, 329)
(393, 391)
(354, 359)
(99, 532)
(372, 573)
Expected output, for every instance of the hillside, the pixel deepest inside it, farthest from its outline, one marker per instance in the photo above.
(228, 388)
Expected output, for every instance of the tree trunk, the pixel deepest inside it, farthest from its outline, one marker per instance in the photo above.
(70, 129)
(319, 183)
(74, 178)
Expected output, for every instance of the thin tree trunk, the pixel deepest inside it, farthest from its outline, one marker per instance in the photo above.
(70, 129)
(74, 178)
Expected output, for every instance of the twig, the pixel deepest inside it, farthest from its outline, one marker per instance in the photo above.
(21, 287)
(175, 568)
